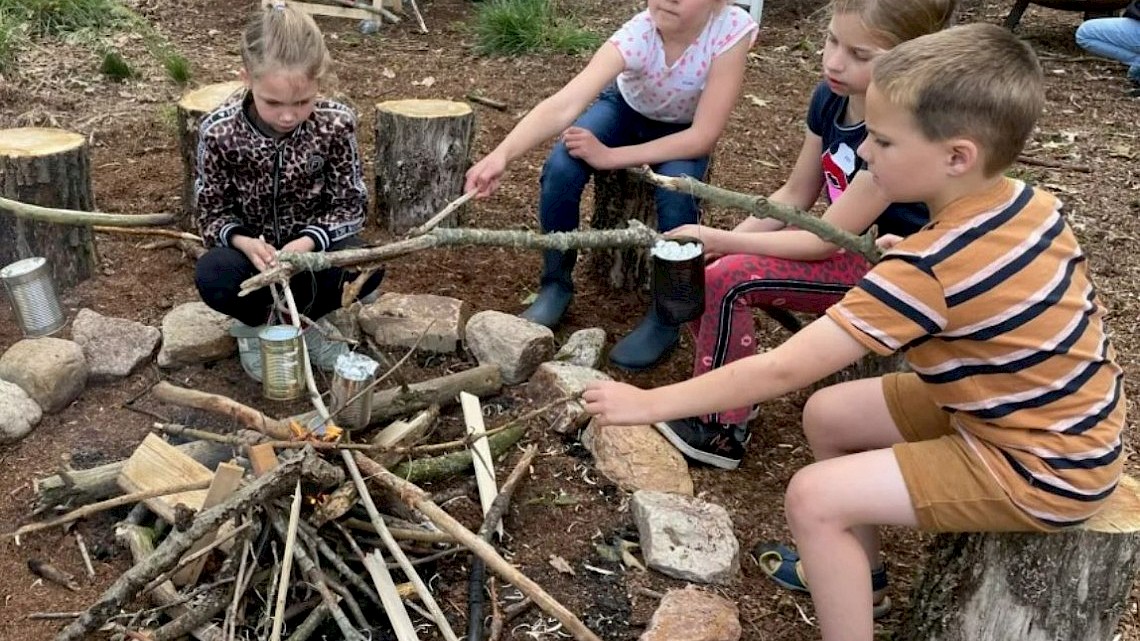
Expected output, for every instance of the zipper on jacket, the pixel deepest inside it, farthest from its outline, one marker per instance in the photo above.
(276, 187)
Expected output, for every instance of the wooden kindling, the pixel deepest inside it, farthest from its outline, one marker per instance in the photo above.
(423, 150)
(1071, 585)
(192, 107)
(49, 168)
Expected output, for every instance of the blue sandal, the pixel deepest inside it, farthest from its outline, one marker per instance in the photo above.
(782, 564)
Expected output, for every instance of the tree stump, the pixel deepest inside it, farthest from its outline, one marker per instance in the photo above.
(618, 198)
(1070, 585)
(49, 168)
(193, 106)
(422, 153)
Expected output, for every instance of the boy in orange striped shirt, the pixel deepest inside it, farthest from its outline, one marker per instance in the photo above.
(1011, 419)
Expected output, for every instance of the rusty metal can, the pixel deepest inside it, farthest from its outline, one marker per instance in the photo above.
(33, 295)
(282, 370)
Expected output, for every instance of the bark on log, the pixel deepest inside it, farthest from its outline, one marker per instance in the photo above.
(79, 487)
(49, 168)
(620, 196)
(215, 403)
(1070, 585)
(423, 150)
(193, 106)
(167, 555)
(398, 401)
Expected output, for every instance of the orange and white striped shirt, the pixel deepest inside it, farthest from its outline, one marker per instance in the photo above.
(993, 306)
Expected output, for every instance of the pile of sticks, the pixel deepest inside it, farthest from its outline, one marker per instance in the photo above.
(297, 545)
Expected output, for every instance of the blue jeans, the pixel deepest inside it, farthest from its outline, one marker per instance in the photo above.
(615, 124)
(1116, 38)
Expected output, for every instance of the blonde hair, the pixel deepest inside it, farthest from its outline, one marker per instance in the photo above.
(895, 21)
(977, 81)
(283, 38)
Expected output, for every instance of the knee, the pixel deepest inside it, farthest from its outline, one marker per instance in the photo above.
(819, 421)
(805, 501)
(561, 169)
(1084, 36)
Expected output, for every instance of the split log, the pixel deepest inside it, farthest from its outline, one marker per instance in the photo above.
(49, 168)
(415, 497)
(266, 488)
(79, 487)
(423, 150)
(1071, 585)
(193, 106)
(215, 403)
(156, 464)
(443, 391)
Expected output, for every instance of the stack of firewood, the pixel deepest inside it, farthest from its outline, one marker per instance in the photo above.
(287, 538)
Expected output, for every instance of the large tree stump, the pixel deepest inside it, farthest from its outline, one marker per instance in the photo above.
(49, 168)
(1030, 587)
(618, 198)
(422, 153)
(193, 106)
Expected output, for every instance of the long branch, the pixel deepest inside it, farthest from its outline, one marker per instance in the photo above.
(636, 235)
(761, 207)
(73, 217)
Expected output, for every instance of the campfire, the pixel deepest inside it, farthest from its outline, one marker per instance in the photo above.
(312, 531)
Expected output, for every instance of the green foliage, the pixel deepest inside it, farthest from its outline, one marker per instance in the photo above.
(55, 17)
(11, 36)
(514, 27)
(115, 67)
(176, 65)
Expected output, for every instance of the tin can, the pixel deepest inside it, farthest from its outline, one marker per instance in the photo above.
(678, 286)
(282, 371)
(32, 292)
(350, 403)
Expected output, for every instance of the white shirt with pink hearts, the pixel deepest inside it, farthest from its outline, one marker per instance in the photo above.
(669, 93)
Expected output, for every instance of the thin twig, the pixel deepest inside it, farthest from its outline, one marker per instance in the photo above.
(83, 553)
(487, 102)
(95, 508)
(135, 231)
(435, 220)
(419, 18)
(286, 563)
(1052, 164)
(190, 558)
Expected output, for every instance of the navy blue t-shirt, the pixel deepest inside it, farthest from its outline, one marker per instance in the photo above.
(840, 162)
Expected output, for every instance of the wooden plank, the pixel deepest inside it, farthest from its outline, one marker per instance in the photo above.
(336, 12)
(156, 464)
(262, 458)
(481, 457)
(227, 479)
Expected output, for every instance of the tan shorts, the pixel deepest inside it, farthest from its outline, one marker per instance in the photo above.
(949, 486)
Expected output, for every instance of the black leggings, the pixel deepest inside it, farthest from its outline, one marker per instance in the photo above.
(221, 270)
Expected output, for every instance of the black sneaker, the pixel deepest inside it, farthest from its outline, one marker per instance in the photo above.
(712, 444)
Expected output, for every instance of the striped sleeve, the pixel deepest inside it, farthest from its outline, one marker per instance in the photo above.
(897, 303)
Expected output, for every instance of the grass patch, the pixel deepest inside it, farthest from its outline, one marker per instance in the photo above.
(115, 67)
(513, 27)
(11, 37)
(56, 17)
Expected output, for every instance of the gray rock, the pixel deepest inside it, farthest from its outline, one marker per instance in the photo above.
(18, 413)
(584, 347)
(637, 457)
(113, 347)
(50, 370)
(694, 615)
(516, 345)
(194, 333)
(399, 320)
(685, 537)
(554, 380)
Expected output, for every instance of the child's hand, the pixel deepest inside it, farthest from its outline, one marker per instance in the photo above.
(709, 237)
(300, 245)
(584, 145)
(485, 175)
(614, 403)
(886, 241)
(260, 253)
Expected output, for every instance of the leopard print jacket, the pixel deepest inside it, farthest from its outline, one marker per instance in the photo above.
(307, 183)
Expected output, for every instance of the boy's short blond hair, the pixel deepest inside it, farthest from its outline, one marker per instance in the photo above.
(975, 81)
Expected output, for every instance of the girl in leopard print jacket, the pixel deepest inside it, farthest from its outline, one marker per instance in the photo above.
(278, 170)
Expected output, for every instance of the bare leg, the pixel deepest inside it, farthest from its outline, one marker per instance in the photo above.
(831, 506)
